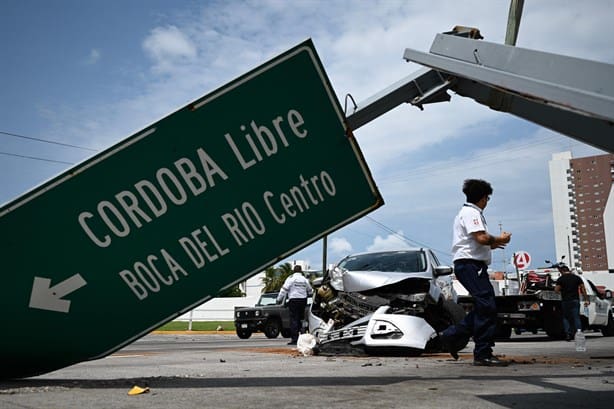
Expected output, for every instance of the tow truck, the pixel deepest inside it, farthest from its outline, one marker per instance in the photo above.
(536, 306)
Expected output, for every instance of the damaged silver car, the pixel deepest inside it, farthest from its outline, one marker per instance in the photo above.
(390, 302)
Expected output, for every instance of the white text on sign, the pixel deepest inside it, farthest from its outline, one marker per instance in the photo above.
(147, 200)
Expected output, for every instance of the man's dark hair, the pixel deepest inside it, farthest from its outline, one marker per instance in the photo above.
(476, 189)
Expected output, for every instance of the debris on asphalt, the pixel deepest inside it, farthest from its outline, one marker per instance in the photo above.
(305, 344)
(137, 390)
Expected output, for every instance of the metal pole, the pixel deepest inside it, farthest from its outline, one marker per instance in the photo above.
(190, 321)
(324, 246)
(517, 274)
(513, 21)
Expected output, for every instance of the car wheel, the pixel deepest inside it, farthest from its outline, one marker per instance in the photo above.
(552, 316)
(608, 329)
(554, 327)
(450, 313)
(272, 328)
(456, 313)
(244, 333)
(286, 333)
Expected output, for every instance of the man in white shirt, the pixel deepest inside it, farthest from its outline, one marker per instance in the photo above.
(298, 288)
(471, 246)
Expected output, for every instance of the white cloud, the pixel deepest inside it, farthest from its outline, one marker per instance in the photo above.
(390, 242)
(168, 46)
(340, 245)
(93, 57)
(418, 158)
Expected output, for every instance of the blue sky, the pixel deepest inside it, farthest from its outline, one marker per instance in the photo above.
(90, 73)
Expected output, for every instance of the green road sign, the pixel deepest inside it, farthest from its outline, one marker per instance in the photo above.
(161, 222)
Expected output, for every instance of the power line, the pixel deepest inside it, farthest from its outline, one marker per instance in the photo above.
(47, 141)
(35, 158)
(405, 238)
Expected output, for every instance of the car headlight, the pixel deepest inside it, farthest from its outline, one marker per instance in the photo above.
(336, 278)
(418, 297)
(528, 306)
(385, 329)
(257, 313)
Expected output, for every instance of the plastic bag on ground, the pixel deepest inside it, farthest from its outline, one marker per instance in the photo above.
(305, 344)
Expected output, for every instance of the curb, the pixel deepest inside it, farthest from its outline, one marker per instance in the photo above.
(191, 332)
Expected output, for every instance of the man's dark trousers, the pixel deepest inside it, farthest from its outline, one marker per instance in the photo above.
(481, 322)
(297, 314)
(571, 316)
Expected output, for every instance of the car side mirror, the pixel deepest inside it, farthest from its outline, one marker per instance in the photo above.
(443, 271)
(608, 294)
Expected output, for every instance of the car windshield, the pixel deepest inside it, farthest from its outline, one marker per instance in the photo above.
(267, 299)
(393, 261)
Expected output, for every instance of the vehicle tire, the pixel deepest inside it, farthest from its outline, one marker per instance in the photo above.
(554, 328)
(503, 332)
(608, 329)
(272, 328)
(455, 312)
(450, 313)
(286, 333)
(552, 320)
(244, 333)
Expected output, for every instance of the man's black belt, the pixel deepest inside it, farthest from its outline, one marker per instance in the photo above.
(469, 261)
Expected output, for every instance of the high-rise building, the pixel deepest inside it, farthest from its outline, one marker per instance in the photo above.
(582, 192)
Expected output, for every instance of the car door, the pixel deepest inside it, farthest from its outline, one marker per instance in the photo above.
(598, 308)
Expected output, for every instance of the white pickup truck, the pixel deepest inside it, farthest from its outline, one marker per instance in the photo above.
(598, 315)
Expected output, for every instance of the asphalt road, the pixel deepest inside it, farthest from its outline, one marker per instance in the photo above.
(222, 371)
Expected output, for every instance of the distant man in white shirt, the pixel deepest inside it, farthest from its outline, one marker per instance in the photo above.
(298, 288)
(471, 246)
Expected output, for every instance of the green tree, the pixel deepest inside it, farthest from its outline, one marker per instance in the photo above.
(234, 291)
(274, 277)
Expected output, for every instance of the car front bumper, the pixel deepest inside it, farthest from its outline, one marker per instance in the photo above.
(377, 330)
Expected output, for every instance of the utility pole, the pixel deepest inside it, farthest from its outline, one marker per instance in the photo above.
(513, 21)
(503, 251)
(324, 251)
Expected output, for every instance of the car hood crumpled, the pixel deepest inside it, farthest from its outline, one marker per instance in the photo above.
(354, 281)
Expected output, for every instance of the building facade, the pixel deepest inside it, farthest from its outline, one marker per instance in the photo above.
(583, 210)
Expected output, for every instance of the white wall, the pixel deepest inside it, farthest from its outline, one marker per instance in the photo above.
(218, 309)
(561, 215)
(222, 308)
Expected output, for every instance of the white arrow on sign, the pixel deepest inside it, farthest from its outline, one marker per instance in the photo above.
(45, 297)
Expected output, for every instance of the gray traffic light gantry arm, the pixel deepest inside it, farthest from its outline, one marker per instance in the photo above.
(569, 95)
(421, 87)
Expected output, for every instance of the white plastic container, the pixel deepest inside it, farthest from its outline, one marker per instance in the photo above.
(580, 341)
